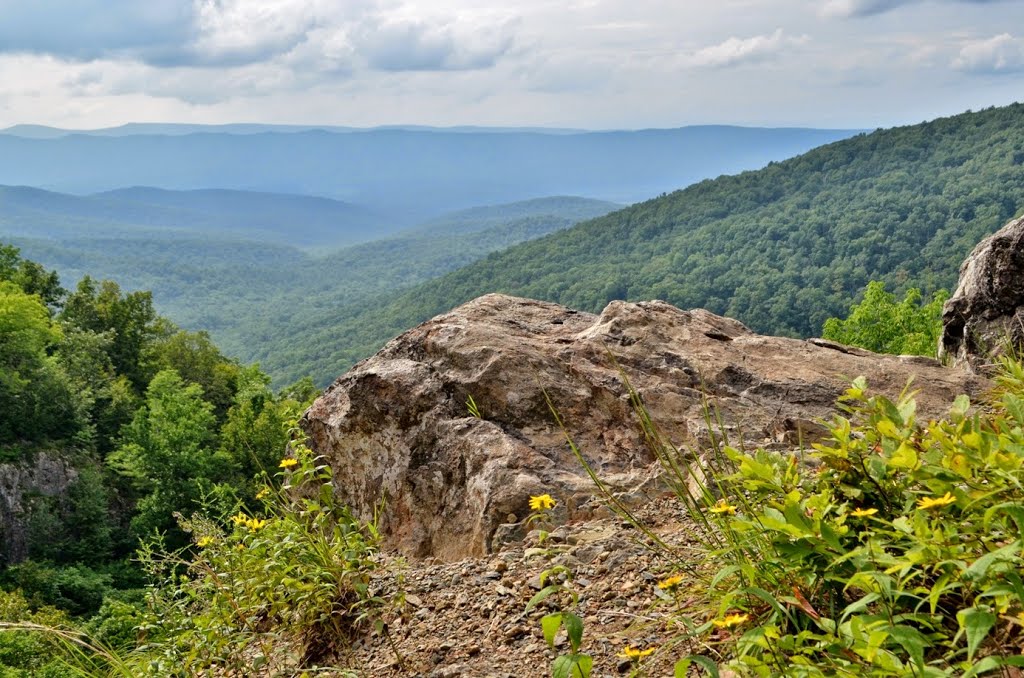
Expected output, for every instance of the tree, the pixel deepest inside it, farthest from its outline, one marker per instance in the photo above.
(102, 308)
(878, 323)
(31, 277)
(35, 400)
(195, 357)
(169, 452)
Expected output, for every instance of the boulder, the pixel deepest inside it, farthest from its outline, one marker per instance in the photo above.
(986, 313)
(397, 426)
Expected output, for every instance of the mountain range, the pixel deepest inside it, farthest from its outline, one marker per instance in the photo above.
(405, 175)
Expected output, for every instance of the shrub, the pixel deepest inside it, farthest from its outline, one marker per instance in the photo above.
(879, 323)
(894, 548)
(286, 588)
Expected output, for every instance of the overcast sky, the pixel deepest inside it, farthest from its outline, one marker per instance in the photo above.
(567, 63)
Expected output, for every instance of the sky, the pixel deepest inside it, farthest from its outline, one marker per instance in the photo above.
(592, 64)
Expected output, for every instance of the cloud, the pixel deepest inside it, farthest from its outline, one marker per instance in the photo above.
(414, 45)
(91, 29)
(740, 50)
(1000, 54)
(861, 8)
(330, 35)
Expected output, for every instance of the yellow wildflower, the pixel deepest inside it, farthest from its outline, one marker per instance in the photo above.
(932, 502)
(255, 524)
(542, 503)
(634, 653)
(203, 542)
(239, 519)
(670, 584)
(263, 494)
(288, 462)
(724, 507)
(731, 620)
(863, 513)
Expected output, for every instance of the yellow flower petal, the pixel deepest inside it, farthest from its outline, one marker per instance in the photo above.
(633, 653)
(862, 513)
(671, 583)
(731, 620)
(542, 503)
(288, 462)
(724, 507)
(933, 502)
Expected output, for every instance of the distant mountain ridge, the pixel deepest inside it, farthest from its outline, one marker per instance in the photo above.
(409, 174)
(304, 221)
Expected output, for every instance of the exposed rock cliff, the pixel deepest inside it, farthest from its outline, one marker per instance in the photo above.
(44, 474)
(397, 424)
(987, 309)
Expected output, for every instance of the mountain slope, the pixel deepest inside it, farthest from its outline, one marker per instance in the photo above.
(781, 249)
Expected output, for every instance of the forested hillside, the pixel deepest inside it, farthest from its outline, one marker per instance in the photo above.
(244, 292)
(782, 249)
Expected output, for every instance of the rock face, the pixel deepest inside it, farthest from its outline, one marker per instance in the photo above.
(987, 308)
(45, 474)
(397, 425)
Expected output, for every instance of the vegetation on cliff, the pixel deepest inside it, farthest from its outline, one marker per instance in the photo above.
(152, 419)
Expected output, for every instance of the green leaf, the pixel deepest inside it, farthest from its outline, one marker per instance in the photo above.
(683, 665)
(979, 568)
(573, 627)
(550, 624)
(585, 664)
(888, 429)
(959, 410)
(541, 595)
(975, 622)
(904, 457)
(572, 666)
(911, 640)
(984, 666)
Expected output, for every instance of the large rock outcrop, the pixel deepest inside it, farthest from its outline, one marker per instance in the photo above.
(42, 474)
(987, 309)
(397, 424)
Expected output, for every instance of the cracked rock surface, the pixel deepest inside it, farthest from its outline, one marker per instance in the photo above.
(397, 426)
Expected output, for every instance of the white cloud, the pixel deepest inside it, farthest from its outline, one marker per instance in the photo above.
(740, 50)
(582, 63)
(416, 45)
(1000, 54)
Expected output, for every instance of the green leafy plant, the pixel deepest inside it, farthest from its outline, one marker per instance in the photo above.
(287, 587)
(879, 323)
(894, 548)
(575, 664)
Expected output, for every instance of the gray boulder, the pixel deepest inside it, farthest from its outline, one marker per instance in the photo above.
(986, 313)
(397, 426)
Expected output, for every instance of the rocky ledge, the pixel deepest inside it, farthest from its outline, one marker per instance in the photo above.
(398, 428)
